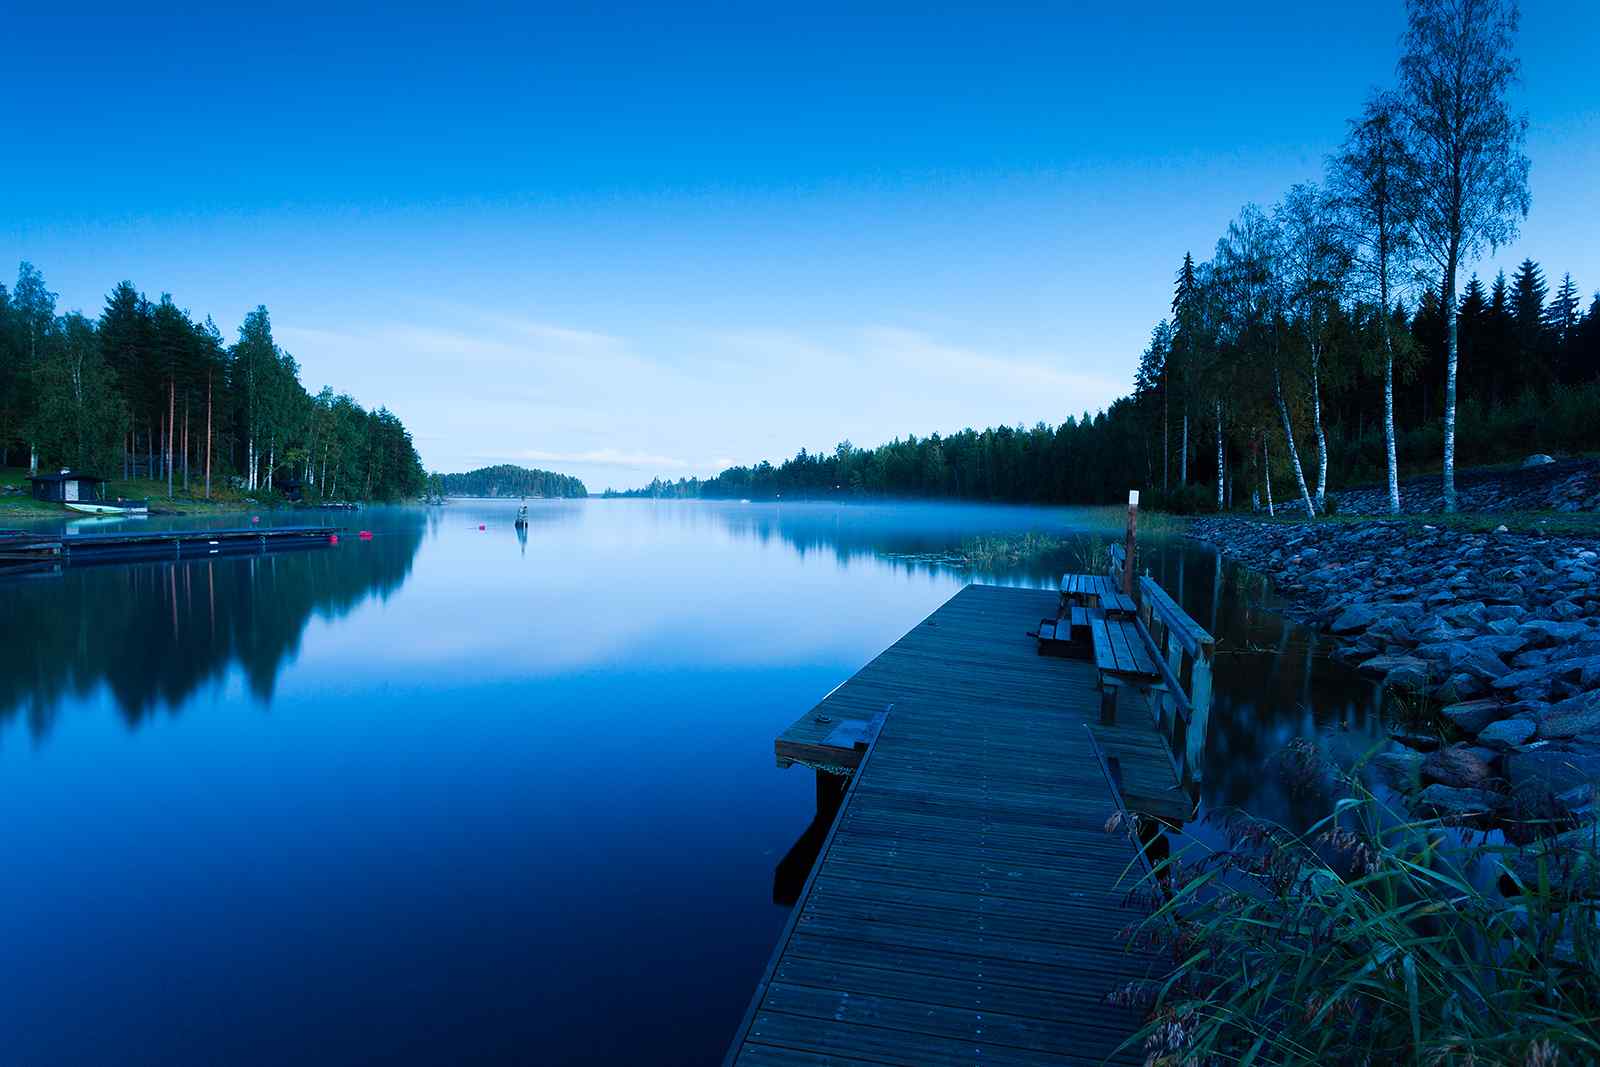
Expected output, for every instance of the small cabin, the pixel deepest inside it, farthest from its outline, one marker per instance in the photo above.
(67, 487)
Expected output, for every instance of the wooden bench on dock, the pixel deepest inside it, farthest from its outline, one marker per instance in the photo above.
(1182, 649)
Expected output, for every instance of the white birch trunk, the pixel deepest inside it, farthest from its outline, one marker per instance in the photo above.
(1316, 426)
(1388, 421)
(1266, 471)
(1294, 451)
(1450, 385)
(1221, 471)
(1183, 460)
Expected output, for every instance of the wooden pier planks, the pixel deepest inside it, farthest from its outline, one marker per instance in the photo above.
(967, 905)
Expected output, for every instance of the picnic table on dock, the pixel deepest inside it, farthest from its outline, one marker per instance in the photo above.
(1095, 590)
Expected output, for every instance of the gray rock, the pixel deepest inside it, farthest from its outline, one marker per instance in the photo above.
(1507, 733)
(1457, 802)
(1464, 656)
(1398, 670)
(1355, 618)
(1455, 766)
(1400, 769)
(1538, 459)
(1472, 716)
(1472, 615)
(1554, 769)
(1552, 632)
(1572, 717)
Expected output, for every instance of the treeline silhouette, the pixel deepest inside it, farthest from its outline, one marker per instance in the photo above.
(1328, 327)
(154, 633)
(146, 390)
(506, 480)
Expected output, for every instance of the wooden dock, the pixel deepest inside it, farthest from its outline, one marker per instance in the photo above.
(21, 549)
(967, 904)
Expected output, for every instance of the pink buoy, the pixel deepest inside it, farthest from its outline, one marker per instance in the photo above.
(333, 539)
(365, 535)
(481, 526)
(255, 518)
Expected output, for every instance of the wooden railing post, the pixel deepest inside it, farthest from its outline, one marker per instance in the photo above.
(1199, 714)
(1128, 549)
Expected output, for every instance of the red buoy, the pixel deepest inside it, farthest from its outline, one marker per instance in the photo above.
(481, 526)
(365, 535)
(333, 539)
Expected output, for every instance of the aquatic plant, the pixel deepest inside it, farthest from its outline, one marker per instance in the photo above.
(1371, 938)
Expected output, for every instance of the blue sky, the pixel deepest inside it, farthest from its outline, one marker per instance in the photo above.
(654, 241)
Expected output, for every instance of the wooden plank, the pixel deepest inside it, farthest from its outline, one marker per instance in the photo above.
(968, 906)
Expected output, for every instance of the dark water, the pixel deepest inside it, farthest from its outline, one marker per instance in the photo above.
(456, 795)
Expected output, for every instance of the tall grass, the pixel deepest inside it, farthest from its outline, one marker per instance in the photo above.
(1373, 939)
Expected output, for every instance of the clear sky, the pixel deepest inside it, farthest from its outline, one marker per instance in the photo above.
(654, 241)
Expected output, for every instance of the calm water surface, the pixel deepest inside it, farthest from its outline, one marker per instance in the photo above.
(459, 795)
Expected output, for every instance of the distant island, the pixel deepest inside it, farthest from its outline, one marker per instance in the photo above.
(506, 480)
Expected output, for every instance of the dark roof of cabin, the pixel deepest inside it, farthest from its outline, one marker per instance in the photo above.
(64, 476)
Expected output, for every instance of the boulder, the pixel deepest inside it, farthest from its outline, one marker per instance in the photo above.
(1354, 619)
(1455, 802)
(1471, 615)
(1553, 769)
(1455, 766)
(1473, 715)
(1400, 769)
(1572, 717)
(1500, 644)
(1507, 733)
(1554, 632)
(1538, 459)
(1398, 670)
(1464, 656)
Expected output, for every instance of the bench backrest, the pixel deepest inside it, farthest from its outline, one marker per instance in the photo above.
(1179, 642)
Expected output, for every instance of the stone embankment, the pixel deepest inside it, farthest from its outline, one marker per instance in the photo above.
(1501, 629)
(1539, 484)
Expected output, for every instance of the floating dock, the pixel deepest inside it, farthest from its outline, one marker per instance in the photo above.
(27, 551)
(968, 904)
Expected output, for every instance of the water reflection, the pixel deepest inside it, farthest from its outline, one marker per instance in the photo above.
(510, 779)
(153, 633)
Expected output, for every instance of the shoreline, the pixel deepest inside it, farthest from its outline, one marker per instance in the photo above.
(1498, 630)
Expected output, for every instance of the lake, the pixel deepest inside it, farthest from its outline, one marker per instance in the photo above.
(457, 794)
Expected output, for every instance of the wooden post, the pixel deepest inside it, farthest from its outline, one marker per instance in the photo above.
(1200, 711)
(1108, 702)
(1133, 534)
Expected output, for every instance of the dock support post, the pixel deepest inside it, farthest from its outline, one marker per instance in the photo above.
(1133, 535)
(1194, 748)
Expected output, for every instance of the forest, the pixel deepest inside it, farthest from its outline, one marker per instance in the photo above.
(147, 391)
(1326, 342)
(506, 480)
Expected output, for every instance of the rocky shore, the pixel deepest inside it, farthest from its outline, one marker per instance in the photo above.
(1499, 631)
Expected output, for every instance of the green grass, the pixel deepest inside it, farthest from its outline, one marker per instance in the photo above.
(1373, 938)
(16, 502)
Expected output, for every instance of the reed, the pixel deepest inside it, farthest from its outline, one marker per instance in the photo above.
(1372, 938)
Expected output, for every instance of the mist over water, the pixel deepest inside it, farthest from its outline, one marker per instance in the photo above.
(455, 794)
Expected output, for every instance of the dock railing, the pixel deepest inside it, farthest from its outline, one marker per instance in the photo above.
(1182, 650)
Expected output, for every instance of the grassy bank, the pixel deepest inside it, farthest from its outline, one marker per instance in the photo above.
(1373, 938)
(16, 501)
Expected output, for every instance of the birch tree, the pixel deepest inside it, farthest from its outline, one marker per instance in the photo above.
(1314, 263)
(1464, 152)
(1247, 266)
(1375, 207)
